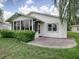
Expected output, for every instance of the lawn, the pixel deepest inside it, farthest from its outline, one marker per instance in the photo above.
(12, 49)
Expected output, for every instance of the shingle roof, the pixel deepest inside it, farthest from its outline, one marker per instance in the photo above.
(43, 14)
(16, 15)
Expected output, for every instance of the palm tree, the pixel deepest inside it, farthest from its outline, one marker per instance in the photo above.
(1, 15)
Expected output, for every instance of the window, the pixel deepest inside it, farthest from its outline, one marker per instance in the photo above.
(17, 25)
(49, 27)
(77, 28)
(52, 27)
(14, 25)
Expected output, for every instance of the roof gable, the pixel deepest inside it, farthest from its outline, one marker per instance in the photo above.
(16, 15)
(43, 17)
(43, 14)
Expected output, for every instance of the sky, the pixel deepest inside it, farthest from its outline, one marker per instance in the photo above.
(25, 6)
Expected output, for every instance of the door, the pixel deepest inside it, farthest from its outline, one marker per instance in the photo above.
(38, 29)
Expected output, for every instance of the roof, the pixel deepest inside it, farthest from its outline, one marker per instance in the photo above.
(75, 26)
(4, 23)
(43, 14)
(16, 15)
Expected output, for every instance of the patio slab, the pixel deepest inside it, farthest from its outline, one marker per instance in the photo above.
(54, 42)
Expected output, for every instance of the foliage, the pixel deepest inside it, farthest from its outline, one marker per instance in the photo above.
(1, 15)
(20, 35)
(12, 49)
(25, 35)
(68, 10)
(7, 34)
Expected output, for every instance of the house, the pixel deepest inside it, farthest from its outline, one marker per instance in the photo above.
(5, 26)
(75, 28)
(43, 24)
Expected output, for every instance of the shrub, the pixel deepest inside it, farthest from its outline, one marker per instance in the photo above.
(7, 34)
(19, 35)
(25, 35)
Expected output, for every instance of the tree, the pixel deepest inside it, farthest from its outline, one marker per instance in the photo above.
(68, 11)
(1, 15)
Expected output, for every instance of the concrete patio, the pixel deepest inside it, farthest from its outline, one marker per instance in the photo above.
(53, 42)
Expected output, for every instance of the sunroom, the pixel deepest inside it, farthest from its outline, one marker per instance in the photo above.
(23, 22)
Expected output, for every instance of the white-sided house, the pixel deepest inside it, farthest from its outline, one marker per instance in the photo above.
(75, 28)
(43, 24)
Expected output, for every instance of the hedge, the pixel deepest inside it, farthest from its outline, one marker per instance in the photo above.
(23, 35)
(7, 34)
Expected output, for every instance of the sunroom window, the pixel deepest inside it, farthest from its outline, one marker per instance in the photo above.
(52, 27)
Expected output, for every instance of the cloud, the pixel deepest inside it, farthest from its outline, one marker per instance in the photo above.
(52, 8)
(55, 12)
(7, 14)
(43, 9)
(1, 5)
(24, 9)
(33, 8)
(29, 2)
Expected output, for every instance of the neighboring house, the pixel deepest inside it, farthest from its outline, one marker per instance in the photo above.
(75, 28)
(5, 26)
(44, 24)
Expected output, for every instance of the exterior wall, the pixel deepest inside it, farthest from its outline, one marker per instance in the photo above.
(62, 30)
(74, 29)
(36, 35)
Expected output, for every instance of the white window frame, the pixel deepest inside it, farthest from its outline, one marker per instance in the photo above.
(52, 27)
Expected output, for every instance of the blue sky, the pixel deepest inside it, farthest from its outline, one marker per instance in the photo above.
(13, 5)
(25, 6)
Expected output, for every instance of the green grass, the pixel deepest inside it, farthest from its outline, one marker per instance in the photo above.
(12, 49)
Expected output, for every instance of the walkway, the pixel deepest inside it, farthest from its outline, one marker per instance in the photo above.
(53, 42)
